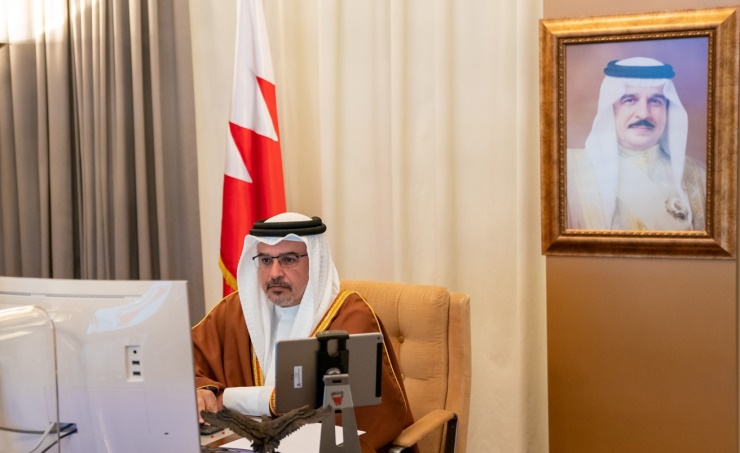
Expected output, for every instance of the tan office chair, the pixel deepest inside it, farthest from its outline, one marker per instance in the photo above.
(429, 329)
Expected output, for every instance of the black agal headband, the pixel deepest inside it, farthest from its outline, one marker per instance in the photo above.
(664, 71)
(279, 229)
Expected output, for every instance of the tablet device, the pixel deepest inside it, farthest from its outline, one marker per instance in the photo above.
(297, 370)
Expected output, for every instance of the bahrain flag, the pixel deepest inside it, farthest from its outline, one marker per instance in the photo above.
(253, 178)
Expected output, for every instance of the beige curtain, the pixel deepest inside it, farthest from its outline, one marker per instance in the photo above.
(97, 156)
(411, 127)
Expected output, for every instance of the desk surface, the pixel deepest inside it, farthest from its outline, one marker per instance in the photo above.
(219, 438)
(307, 439)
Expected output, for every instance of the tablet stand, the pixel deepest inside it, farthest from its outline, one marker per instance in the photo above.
(337, 395)
(332, 369)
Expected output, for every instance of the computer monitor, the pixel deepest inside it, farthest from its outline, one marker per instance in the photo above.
(124, 365)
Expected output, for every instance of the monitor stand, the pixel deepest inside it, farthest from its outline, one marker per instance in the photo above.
(337, 395)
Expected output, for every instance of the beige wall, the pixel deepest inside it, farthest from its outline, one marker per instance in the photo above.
(642, 353)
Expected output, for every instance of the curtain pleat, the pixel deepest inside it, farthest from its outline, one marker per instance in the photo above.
(10, 245)
(98, 120)
(24, 101)
(144, 244)
(60, 208)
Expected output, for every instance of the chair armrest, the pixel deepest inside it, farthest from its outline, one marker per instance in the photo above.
(425, 425)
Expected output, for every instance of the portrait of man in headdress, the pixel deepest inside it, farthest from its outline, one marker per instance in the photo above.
(634, 172)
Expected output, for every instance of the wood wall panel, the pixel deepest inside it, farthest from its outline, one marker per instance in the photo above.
(642, 355)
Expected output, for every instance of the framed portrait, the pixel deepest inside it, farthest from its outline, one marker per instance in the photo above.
(639, 129)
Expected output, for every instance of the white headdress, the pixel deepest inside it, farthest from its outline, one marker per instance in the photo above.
(323, 279)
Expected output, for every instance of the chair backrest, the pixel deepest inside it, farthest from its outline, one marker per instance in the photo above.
(429, 329)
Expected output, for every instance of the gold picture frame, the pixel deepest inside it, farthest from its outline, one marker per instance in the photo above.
(574, 54)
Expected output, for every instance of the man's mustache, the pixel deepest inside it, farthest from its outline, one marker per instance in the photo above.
(278, 283)
(642, 123)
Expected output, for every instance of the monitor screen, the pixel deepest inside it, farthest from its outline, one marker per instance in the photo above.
(124, 366)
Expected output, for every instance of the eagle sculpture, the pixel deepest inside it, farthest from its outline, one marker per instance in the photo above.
(265, 433)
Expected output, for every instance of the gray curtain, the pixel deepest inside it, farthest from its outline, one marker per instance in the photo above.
(98, 175)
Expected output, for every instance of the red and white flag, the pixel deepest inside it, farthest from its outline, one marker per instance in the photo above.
(253, 179)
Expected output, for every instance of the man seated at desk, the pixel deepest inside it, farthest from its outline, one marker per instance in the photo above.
(288, 288)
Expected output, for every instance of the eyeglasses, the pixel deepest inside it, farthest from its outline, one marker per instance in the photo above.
(285, 260)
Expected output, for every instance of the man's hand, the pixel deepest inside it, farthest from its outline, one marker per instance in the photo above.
(206, 402)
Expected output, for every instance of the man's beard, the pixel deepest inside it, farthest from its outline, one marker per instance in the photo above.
(285, 299)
